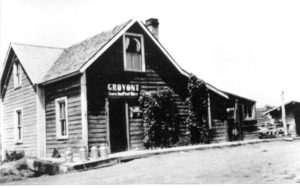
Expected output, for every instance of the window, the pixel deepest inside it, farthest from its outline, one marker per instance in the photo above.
(17, 75)
(18, 126)
(135, 112)
(230, 113)
(61, 109)
(134, 52)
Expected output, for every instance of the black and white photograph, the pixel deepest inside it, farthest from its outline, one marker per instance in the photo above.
(149, 92)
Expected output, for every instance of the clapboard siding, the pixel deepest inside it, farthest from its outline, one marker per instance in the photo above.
(25, 98)
(69, 88)
(109, 69)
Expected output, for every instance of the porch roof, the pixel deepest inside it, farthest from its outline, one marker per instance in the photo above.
(289, 106)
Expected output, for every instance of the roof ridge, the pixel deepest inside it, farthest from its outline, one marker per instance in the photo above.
(33, 45)
(101, 33)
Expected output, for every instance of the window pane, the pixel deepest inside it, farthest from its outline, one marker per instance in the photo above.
(128, 61)
(62, 110)
(19, 114)
(63, 127)
(20, 132)
(133, 44)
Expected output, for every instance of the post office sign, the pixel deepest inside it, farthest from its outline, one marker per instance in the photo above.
(122, 89)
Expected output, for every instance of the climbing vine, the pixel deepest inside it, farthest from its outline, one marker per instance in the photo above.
(196, 121)
(161, 128)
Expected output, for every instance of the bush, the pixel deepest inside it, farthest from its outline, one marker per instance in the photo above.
(161, 118)
(15, 170)
(13, 155)
(196, 121)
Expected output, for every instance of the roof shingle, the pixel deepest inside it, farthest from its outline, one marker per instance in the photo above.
(36, 60)
(78, 54)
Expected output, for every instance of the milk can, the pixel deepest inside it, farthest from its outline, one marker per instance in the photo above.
(94, 153)
(69, 155)
(103, 150)
(83, 153)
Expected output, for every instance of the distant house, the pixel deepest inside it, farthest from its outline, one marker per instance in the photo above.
(292, 110)
(86, 94)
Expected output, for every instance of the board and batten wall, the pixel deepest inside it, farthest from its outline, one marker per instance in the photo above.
(69, 88)
(23, 97)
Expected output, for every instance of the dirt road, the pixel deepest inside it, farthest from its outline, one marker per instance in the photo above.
(276, 162)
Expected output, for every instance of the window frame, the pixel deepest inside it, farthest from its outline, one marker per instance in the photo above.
(17, 80)
(142, 52)
(57, 118)
(16, 126)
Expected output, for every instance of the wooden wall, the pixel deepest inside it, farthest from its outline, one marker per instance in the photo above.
(25, 98)
(69, 88)
(219, 130)
(160, 73)
(290, 120)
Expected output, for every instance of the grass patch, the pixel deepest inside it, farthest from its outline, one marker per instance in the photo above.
(15, 170)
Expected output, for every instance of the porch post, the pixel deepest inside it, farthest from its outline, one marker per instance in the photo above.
(84, 115)
(209, 111)
(41, 122)
(236, 110)
(107, 124)
(2, 128)
(254, 111)
(283, 115)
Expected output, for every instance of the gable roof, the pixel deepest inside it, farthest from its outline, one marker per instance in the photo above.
(61, 63)
(36, 60)
(72, 59)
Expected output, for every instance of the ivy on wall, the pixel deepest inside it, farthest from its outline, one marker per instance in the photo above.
(161, 118)
(197, 120)
(161, 128)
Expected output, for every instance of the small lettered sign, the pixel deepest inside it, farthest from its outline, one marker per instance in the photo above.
(122, 89)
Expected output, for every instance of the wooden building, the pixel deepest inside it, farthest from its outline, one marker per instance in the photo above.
(84, 95)
(292, 110)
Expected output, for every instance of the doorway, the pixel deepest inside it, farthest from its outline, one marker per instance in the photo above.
(117, 125)
(297, 123)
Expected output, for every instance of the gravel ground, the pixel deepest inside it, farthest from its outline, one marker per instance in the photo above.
(275, 162)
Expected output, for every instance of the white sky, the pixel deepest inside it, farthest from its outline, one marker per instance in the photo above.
(250, 48)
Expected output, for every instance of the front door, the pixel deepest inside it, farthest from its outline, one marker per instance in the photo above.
(297, 123)
(117, 125)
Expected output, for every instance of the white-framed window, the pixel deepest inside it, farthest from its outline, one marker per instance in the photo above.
(134, 55)
(18, 126)
(61, 113)
(17, 74)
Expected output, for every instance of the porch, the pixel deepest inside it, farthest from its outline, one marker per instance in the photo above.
(58, 165)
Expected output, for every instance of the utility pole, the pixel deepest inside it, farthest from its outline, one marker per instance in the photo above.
(283, 116)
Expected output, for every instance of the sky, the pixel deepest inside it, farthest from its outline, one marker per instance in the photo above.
(249, 48)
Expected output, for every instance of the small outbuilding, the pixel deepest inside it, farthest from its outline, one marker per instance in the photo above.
(292, 110)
